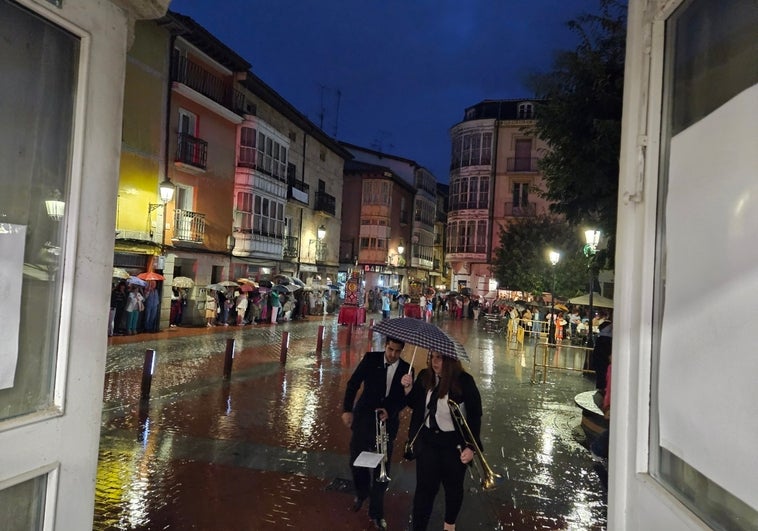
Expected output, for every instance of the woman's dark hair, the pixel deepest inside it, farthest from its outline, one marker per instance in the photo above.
(449, 380)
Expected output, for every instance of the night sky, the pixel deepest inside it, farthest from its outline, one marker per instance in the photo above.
(392, 75)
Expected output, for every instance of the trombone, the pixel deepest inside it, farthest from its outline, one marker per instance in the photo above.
(489, 478)
(382, 441)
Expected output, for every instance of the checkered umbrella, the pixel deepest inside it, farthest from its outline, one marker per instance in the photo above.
(422, 334)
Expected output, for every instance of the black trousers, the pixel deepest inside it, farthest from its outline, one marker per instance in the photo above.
(366, 485)
(438, 463)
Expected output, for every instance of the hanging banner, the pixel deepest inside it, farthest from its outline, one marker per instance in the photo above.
(12, 239)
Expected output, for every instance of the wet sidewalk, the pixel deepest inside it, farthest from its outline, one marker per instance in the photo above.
(266, 450)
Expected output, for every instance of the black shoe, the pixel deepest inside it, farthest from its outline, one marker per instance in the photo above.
(379, 523)
(357, 504)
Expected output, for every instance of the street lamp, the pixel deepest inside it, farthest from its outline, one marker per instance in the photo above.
(166, 190)
(592, 238)
(554, 257)
(320, 235)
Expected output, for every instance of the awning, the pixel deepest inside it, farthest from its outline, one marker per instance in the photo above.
(135, 247)
(598, 301)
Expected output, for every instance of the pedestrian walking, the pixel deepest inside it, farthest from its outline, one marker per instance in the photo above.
(211, 307)
(379, 374)
(241, 302)
(443, 453)
(275, 306)
(385, 305)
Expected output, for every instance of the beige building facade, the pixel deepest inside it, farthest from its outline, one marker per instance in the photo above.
(494, 179)
(290, 172)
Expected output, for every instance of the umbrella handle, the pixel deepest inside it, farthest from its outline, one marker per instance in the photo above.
(413, 357)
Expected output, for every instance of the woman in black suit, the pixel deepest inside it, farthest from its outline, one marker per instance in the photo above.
(442, 454)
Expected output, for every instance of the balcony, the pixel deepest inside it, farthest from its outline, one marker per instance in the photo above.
(189, 226)
(193, 75)
(522, 164)
(191, 151)
(291, 247)
(322, 252)
(325, 203)
(520, 210)
(469, 205)
(467, 249)
(299, 191)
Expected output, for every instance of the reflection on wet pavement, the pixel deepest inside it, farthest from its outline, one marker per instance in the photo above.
(265, 449)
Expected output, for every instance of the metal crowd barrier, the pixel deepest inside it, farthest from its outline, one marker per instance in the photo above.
(560, 356)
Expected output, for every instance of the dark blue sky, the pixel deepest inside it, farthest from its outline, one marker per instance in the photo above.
(405, 69)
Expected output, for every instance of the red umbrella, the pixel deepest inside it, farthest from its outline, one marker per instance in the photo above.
(246, 287)
(150, 275)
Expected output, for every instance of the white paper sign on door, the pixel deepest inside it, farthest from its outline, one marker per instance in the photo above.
(12, 240)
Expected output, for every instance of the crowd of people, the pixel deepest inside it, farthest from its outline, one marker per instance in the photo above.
(239, 308)
(134, 308)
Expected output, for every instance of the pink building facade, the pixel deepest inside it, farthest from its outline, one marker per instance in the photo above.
(494, 179)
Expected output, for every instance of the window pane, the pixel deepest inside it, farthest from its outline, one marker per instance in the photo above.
(708, 130)
(22, 505)
(37, 104)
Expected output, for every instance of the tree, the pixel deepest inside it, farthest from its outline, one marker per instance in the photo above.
(522, 263)
(580, 119)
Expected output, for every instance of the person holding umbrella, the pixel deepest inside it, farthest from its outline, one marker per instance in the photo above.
(443, 453)
(379, 373)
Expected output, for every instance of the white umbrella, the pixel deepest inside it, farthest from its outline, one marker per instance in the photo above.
(183, 282)
(120, 272)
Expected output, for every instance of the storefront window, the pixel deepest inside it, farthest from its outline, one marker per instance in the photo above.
(701, 441)
(36, 103)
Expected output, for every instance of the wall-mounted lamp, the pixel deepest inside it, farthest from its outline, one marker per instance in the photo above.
(166, 190)
(400, 248)
(319, 242)
(230, 242)
(55, 207)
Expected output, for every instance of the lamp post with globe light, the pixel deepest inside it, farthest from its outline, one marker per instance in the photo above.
(555, 256)
(592, 238)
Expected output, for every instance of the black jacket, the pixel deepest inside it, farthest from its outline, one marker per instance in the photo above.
(469, 397)
(371, 375)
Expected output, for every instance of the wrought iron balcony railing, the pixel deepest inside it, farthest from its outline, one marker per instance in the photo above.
(463, 249)
(192, 151)
(187, 72)
(300, 185)
(290, 248)
(325, 203)
(189, 226)
(520, 210)
(525, 164)
(456, 204)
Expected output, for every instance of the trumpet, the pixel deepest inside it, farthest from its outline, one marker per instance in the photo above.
(382, 440)
(489, 479)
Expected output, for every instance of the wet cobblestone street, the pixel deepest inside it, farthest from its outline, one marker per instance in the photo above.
(267, 450)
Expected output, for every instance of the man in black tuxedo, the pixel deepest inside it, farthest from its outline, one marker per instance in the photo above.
(379, 373)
